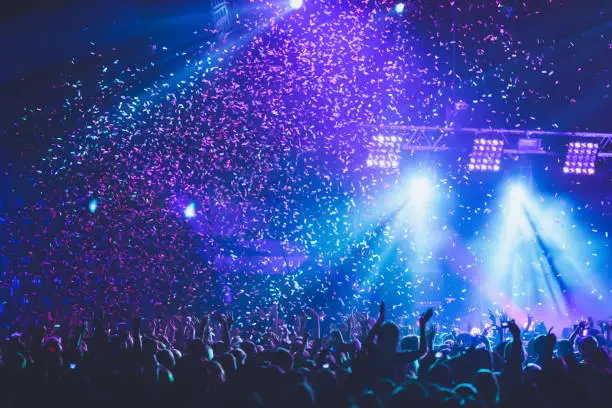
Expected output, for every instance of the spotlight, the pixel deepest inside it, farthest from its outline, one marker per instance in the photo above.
(517, 193)
(190, 210)
(93, 206)
(296, 4)
(581, 158)
(486, 155)
(420, 189)
(399, 8)
(384, 151)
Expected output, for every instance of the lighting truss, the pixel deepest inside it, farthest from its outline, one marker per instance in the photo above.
(517, 142)
(581, 158)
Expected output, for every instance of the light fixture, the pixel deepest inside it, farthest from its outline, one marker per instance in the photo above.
(486, 155)
(384, 151)
(581, 158)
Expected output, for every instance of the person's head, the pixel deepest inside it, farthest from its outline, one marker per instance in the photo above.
(228, 362)
(487, 386)
(587, 348)
(370, 400)
(14, 362)
(323, 381)
(539, 347)
(166, 358)
(384, 389)
(215, 375)
(388, 337)
(441, 375)
(239, 355)
(508, 351)
(250, 350)
(410, 394)
(218, 348)
(283, 359)
(601, 359)
(564, 347)
(300, 396)
(196, 349)
(52, 353)
(410, 343)
(466, 390)
(451, 401)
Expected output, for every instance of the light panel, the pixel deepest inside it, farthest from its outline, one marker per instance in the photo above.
(486, 155)
(581, 158)
(384, 152)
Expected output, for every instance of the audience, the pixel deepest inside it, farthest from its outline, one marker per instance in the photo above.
(174, 364)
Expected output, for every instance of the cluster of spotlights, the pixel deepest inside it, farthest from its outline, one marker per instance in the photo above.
(581, 158)
(385, 152)
(486, 155)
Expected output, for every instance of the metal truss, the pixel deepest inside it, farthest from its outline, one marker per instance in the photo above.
(435, 137)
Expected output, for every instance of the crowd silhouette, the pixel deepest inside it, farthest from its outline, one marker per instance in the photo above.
(363, 362)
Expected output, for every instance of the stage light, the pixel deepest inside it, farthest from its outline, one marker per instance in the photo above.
(190, 210)
(296, 4)
(420, 189)
(399, 8)
(486, 155)
(581, 158)
(384, 151)
(518, 194)
(93, 206)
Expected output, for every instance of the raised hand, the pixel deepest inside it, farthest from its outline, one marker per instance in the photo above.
(312, 313)
(425, 317)
(529, 321)
(492, 317)
(381, 314)
(503, 318)
(514, 329)
(431, 335)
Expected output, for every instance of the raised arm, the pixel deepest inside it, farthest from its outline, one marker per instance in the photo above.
(577, 331)
(204, 329)
(515, 361)
(423, 332)
(137, 333)
(317, 323)
(374, 331)
(226, 324)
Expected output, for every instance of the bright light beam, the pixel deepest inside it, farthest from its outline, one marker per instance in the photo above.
(93, 206)
(190, 210)
(296, 4)
(517, 194)
(420, 190)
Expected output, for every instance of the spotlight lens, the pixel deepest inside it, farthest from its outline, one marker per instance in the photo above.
(517, 193)
(399, 8)
(93, 206)
(296, 4)
(190, 210)
(420, 189)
